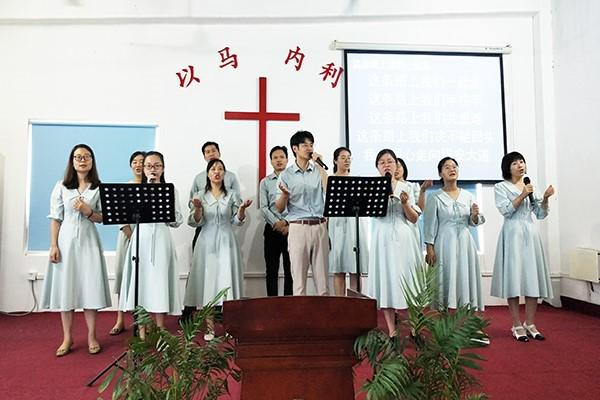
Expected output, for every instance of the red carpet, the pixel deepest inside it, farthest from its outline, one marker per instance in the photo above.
(565, 366)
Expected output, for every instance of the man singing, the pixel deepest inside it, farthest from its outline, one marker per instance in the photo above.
(302, 188)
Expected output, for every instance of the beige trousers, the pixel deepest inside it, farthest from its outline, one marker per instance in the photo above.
(309, 245)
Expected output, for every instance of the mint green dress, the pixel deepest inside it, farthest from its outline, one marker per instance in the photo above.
(158, 269)
(120, 254)
(447, 224)
(394, 253)
(342, 237)
(80, 279)
(520, 268)
(216, 261)
(418, 227)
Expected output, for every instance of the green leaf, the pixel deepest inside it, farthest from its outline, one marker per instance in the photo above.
(176, 366)
(107, 381)
(433, 364)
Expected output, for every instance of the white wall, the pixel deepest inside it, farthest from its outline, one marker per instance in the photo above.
(116, 61)
(576, 65)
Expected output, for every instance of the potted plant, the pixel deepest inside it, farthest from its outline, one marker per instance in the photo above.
(434, 361)
(174, 366)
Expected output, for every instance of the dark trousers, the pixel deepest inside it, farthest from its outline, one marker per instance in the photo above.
(276, 245)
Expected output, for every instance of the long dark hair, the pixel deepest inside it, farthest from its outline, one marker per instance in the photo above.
(70, 180)
(162, 160)
(207, 188)
(441, 165)
(336, 154)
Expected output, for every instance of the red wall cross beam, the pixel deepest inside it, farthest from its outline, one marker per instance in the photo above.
(262, 116)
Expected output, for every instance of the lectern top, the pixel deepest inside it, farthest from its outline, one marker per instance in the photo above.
(126, 203)
(346, 193)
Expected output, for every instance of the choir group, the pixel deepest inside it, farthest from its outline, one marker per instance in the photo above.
(291, 200)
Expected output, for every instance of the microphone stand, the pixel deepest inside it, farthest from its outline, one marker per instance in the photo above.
(135, 204)
(356, 209)
(137, 216)
(353, 196)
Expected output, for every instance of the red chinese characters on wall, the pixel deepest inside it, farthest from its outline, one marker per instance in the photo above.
(186, 76)
(227, 59)
(297, 56)
(329, 71)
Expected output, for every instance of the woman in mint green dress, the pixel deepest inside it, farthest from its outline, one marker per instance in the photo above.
(342, 236)
(418, 192)
(76, 277)
(394, 253)
(158, 269)
(520, 268)
(136, 162)
(217, 261)
(450, 247)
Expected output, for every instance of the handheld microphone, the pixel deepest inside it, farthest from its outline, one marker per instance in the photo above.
(391, 192)
(527, 181)
(320, 162)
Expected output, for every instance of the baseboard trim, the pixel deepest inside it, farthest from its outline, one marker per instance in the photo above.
(583, 307)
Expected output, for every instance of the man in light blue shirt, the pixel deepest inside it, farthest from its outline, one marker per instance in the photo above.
(276, 226)
(302, 188)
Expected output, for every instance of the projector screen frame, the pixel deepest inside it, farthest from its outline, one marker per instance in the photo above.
(373, 48)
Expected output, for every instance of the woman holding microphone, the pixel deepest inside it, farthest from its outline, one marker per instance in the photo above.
(158, 271)
(520, 267)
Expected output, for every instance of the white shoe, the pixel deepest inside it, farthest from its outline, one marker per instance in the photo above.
(519, 333)
(485, 340)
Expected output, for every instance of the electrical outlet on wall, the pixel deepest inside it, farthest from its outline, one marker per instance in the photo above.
(32, 276)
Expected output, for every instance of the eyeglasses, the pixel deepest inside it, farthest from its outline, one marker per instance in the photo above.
(82, 158)
(153, 166)
(386, 162)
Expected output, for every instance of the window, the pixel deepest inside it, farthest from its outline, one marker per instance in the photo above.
(49, 147)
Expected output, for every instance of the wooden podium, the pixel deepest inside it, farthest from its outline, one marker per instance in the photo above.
(297, 348)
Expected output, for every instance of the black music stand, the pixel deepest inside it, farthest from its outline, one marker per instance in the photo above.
(355, 196)
(126, 203)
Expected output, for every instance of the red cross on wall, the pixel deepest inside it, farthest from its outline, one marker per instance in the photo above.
(262, 116)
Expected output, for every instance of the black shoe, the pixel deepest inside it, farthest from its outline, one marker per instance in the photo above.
(187, 314)
(532, 332)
